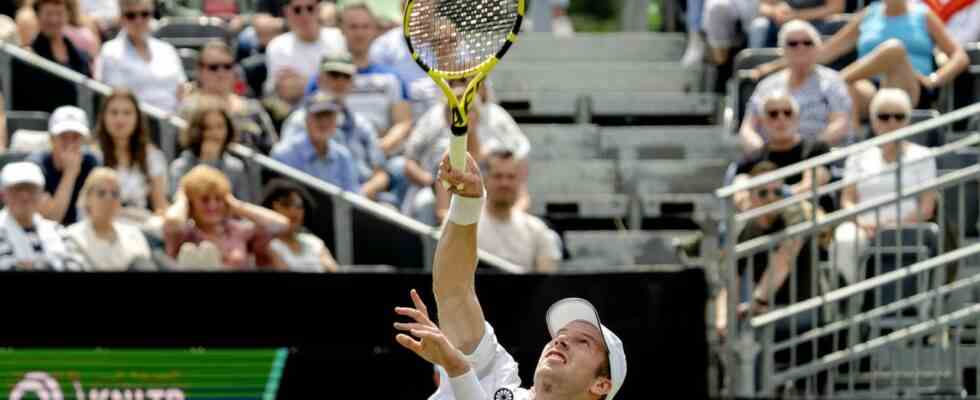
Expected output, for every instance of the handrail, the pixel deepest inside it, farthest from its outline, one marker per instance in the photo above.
(357, 201)
(856, 148)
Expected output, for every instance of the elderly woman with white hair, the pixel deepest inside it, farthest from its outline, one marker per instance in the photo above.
(821, 93)
(780, 117)
(890, 110)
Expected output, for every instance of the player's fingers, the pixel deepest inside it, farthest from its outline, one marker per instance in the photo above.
(411, 313)
(419, 304)
(409, 343)
(408, 326)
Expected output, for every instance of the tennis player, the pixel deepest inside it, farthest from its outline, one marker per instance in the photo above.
(583, 360)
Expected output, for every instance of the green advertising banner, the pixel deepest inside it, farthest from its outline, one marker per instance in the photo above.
(140, 374)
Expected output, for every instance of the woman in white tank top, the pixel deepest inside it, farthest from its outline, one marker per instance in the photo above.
(295, 250)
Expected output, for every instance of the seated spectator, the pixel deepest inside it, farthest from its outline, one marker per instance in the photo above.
(356, 133)
(891, 110)
(959, 16)
(82, 31)
(771, 270)
(254, 38)
(297, 53)
(216, 78)
(205, 141)
(105, 243)
(375, 91)
(508, 232)
(390, 50)
(774, 13)
(123, 134)
(28, 241)
(825, 105)
(134, 59)
(315, 152)
(780, 119)
(295, 250)
(721, 17)
(51, 44)
(204, 210)
(895, 41)
(66, 166)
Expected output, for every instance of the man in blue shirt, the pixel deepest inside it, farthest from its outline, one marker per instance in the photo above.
(314, 152)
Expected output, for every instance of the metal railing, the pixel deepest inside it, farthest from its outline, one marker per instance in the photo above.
(834, 325)
(344, 203)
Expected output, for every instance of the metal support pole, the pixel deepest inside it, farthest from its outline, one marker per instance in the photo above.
(343, 230)
(6, 79)
(746, 350)
(86, 101)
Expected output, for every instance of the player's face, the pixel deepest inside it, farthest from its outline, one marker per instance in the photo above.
(570, 361)
(503, 182)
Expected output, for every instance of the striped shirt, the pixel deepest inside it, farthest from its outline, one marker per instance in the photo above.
(70, 260)
(823, 93)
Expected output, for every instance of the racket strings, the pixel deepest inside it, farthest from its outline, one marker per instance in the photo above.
(458, 35)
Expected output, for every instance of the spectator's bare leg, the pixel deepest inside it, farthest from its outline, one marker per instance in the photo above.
(891, 61)
(861, 92)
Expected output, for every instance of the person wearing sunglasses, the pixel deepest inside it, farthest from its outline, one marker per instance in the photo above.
(295, 55)
(890, 110)
(785, 146)
(825, 105)
(51, 44)
(105, 243)
(895, 41)
(136, 60)
(217, 78)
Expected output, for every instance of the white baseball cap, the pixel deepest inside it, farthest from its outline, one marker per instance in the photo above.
(571, 309)
(68, 119)
(21, 172)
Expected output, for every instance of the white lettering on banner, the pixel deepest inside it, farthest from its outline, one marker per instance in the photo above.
(43, 386)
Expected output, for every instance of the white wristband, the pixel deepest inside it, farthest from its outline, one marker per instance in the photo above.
(465, 210)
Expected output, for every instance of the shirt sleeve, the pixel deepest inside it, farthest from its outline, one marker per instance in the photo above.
(467, 387)
(838, 99)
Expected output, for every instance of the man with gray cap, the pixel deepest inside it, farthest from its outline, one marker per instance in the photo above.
(66, 166)
(583, 360)
(27, 240)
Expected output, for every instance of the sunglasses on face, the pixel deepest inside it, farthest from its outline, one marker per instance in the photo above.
(131, 15)
(338, 75)
(799, 43)
(103, 193)
(215, 67)
(767, 192)
(298, 10)
(786, 113)
(885, 117)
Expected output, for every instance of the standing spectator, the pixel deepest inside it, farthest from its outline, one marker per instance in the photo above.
(825, 106)
(28, 241)
(511, 233)
(780, 118)
(296, 54)
(959, 16)
(204, 210)
(895, 40)
(123, 134)
(136, 60)
(51, 44)
(217, 79)
(315, 153)
(376, 91)
(296, 250)
(891, 109)
(205, 141)
(774, 13)
(66, 166)
(106, 244)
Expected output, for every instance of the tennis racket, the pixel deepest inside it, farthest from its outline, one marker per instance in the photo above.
(458, 40)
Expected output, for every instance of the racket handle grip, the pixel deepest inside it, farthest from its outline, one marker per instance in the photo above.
(457, 155)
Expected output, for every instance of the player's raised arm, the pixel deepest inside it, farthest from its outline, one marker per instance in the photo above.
(459, 312)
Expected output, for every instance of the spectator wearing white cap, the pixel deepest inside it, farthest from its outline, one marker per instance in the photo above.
(66, 165)
(28, 241)
(583, 360)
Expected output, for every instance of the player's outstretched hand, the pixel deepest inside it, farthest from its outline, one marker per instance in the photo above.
(466, 184)
(432, 345)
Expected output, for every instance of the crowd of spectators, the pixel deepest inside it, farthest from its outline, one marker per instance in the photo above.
(328, 89)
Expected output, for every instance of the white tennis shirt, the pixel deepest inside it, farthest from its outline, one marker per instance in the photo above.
(493, 375)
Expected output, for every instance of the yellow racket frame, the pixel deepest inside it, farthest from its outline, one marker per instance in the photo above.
(460, 106)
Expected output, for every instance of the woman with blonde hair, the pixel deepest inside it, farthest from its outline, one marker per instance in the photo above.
(205, 210)
(106, 244)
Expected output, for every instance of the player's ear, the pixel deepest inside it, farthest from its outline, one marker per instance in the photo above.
(601, 386)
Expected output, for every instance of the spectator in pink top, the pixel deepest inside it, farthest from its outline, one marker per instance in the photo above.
(205, 210)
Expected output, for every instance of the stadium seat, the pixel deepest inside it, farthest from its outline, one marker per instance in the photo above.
(682, 188)
(970, 210)
(740, 88)
(932, 138)
(675, 143)
(586, 47)
(618, 248)
(918, 243)
(553, 141)
(30, 120)
(576, 189)
(255, 72)
(191, 32)
(189, 57)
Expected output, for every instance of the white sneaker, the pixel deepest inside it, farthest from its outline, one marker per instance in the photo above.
(694, 55)
(562, 27)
